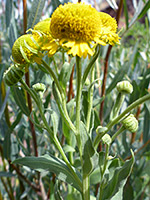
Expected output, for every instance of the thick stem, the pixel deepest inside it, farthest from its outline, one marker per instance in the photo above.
(86, 189)
(78, 96)
(78, 102)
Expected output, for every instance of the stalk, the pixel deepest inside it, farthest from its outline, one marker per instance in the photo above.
(90, 101)
(54, 138)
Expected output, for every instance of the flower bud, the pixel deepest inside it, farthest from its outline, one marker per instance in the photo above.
(39, 87)
(106, 139)
(130, 123)
(25, 50)
(101, 129)
(13, 74)
(125, 86)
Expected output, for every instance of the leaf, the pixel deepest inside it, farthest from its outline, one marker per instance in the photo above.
(90, 158)
(35, 13)
(137, 13)
(55, 4)
(65, 73)
(126, 13)
(55, 121)
(12, 32)
(118, 77)
(112, 4)
(52, 164)
(6, 174)
(146, 127)
(8, 13)
(20, 100)
(145, 9)
(7, 144)
(116, 184)
(4, 102)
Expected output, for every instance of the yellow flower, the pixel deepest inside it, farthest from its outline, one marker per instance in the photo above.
(79, 27)
(44, 38)
(26, 50)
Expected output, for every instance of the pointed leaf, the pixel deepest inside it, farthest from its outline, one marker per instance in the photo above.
(52, 164)
(35, 12)
(20, 100)
(116, 184)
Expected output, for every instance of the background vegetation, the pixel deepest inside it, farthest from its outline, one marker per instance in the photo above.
(19, 137)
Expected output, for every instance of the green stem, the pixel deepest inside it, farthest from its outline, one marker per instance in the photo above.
(88, 68)
(117, 133)
(86, 189)
(103, 172)
(90, 101)
(51, 72)
(54, 138)
(117, 106)
(71, 125)
(128, 109)
(78, 101)
(121, 116)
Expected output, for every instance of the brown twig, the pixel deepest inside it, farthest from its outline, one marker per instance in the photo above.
(70, 92)
(34, 187)
(27, 78)
(106, 63)
(5, 186)
(142, 147)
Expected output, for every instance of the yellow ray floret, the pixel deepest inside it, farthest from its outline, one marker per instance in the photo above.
(79, 27)
(45, 39)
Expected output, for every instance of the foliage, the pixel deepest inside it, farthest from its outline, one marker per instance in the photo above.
(40, 154)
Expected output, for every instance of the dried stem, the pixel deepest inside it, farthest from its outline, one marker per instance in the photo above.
(106, 64)
(34, 187)
(70, 92)
(27, 78)
(142, 147)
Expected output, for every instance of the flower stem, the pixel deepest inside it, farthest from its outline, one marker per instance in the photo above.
(78, 101)
(117, 105)
(86, 191)
(52, 74)
(103, 171)
(121, 116)
(117, 133)
(90, 101)
(54, 138)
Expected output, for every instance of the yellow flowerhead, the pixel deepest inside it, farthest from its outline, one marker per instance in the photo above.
(26, 50)
(44, 38)
(78, 27)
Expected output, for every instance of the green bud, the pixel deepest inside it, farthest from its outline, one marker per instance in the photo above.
(106, 139)
(39, 87)
(13, 74)
(125, 86)
(101, 129)
(130, 123)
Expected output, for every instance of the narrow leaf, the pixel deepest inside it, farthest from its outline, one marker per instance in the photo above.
(35, 13)
(52, 164)
(20, 100)
(118, 180)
